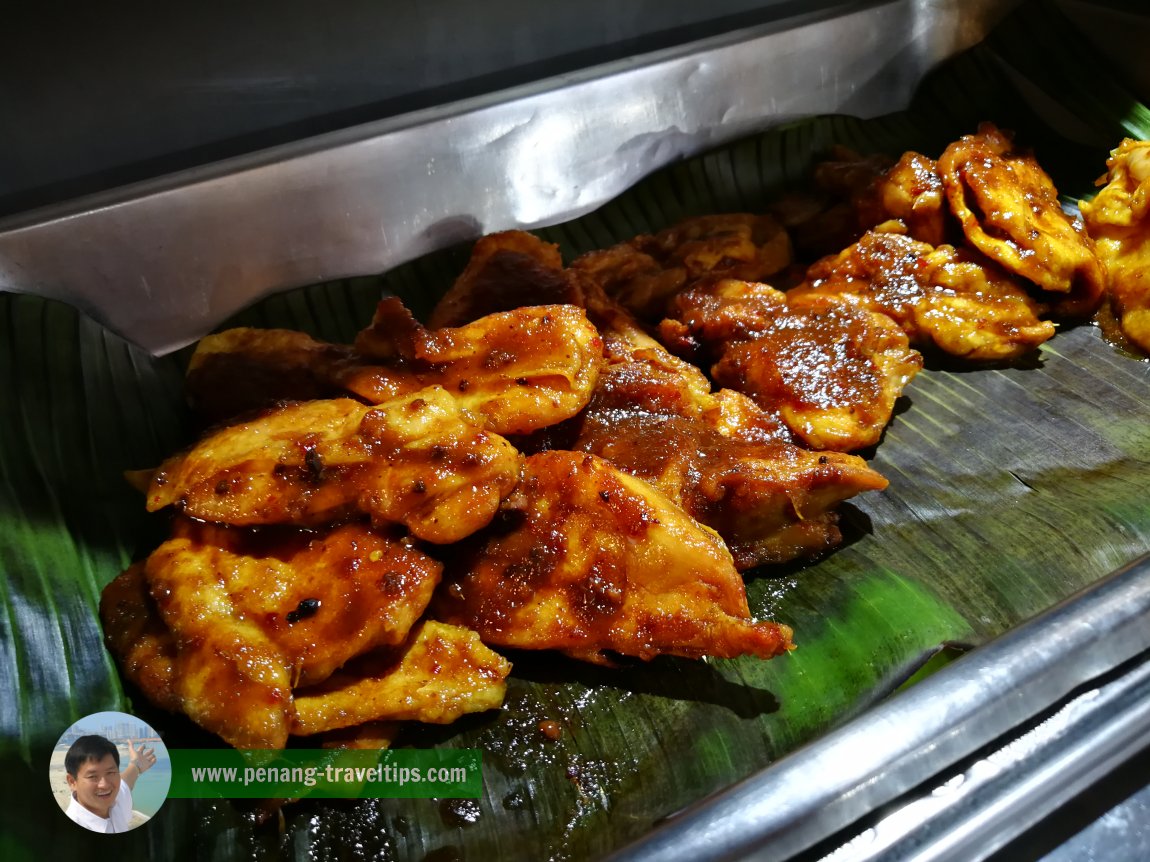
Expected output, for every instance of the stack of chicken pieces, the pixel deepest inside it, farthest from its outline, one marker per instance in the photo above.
(546, 466)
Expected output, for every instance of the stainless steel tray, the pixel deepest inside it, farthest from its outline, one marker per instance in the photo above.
(162, 262)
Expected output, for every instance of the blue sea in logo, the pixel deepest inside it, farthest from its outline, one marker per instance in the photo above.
(152, 788)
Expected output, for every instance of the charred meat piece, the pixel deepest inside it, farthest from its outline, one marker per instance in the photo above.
(1008, 208)
(253, 614)
(770, 502)
(416, 460)
(440, 674)
(717, 454)
(320, 597)
(202, 628)
(644, 273)
(506, 271)
(519, 370)
(955, 299)
(832, 372)
(136, 635)
(1119, 221)
(911, 192)
(727, 462)
(243, 370)
(588, 559)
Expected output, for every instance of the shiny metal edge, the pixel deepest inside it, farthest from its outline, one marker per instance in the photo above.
(978, 807)
(163, 262)
(821, 789)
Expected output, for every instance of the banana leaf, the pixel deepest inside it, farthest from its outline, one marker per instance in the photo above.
(1011, 488)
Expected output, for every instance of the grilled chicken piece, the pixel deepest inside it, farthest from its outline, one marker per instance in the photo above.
(519, 370)
(254, 613)
(1119, 221)
(955, 299)
(442, 673)
(717, 454)
(588, 559)
(912, 192)
(831, 371)
(320, 597)
(242, 370)
(1008, 208)
(136, 635)
(506, 271)
(770, 502)
(230, 661)
(416, 460)
(823, 218)
(644, 273)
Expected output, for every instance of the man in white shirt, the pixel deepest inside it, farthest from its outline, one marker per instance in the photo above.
(101, 794)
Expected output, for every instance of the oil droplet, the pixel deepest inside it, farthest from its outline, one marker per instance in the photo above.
(460, 812)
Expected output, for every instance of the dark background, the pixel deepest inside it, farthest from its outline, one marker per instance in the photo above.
(98, 94)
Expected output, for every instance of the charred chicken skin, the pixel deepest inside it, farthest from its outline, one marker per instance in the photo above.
(1118, 218)
(727, 462)
(954, 299)
(831, 371)
(518, 370)
(587, 559)
(644, 273)
(417, 460)
(260, 633)
(1008, 208)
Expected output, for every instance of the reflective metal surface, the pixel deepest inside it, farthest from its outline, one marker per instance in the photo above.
(823, 788)
(163, 262)
(983, 805)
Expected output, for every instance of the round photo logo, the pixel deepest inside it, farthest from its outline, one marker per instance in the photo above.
(110, 772)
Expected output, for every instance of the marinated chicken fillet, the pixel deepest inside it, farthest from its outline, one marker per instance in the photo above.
(644, 273)
(1008, 208)
(911, 192)
(831, 371)
(719, 456)
(587, 559)
(442, 673)
(716, 454)
(507, 270)
(518, 370)
(320, 597)
(418, 460)
(770, 502)
(254, 614)
(256, 634)
(955, 299)
(242, 370)
(1119, 221)
(136, 635)
(823, 219)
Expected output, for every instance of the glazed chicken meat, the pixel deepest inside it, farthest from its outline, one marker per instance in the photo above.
(229, 624)
(519, 370)
(418, 460)
(830, 370)
(587, 559)
(954, 299)
(730, 464)
(584, 456)
(1118, 218)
